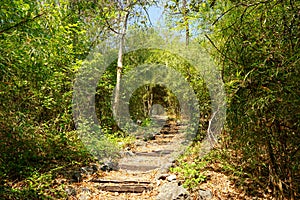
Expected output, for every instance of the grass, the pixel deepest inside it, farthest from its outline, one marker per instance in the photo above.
(195, 171)
(39, 168)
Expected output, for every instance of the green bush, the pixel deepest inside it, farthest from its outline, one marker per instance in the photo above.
(259, 48)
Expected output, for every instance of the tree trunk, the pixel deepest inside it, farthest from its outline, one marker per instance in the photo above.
(186, 23)
(120, 63)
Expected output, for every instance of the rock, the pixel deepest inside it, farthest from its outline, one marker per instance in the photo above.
(70, 191)
(171, 191)
(149, 136)
(172, 160)
(205, 195)
(128, 153)
(162, 176)
(89, 169)
(110, 166)
(127, 149)
(172, 177)
(166, 168)
(77, 177)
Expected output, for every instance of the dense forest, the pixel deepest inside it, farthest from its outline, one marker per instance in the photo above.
(249, 49)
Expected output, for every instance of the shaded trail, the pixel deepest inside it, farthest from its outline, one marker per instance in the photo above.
(139, 167)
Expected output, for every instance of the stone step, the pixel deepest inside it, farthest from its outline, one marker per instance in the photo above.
(136, 187)
(158, 153)
(168, 132)
(120, 181)
(139, 168)
(165, 136)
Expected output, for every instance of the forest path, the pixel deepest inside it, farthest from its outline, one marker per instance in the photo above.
(139, 168)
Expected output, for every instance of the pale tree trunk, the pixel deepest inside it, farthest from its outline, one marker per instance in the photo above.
(120, 62)
(187, 31)
(124, 6)
(186, 23)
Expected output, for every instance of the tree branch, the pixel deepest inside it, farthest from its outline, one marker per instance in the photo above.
(235, 6)
(148, 16)
(20, 23)
(110, 28)
(224, 13)
(220, 51)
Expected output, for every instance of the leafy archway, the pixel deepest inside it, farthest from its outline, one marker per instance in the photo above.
(146, 96)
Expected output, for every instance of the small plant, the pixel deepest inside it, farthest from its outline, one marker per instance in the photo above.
(121, 139)
(191, 173)
(146, 122)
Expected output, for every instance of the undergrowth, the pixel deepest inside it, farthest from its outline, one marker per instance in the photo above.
(45, 176)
